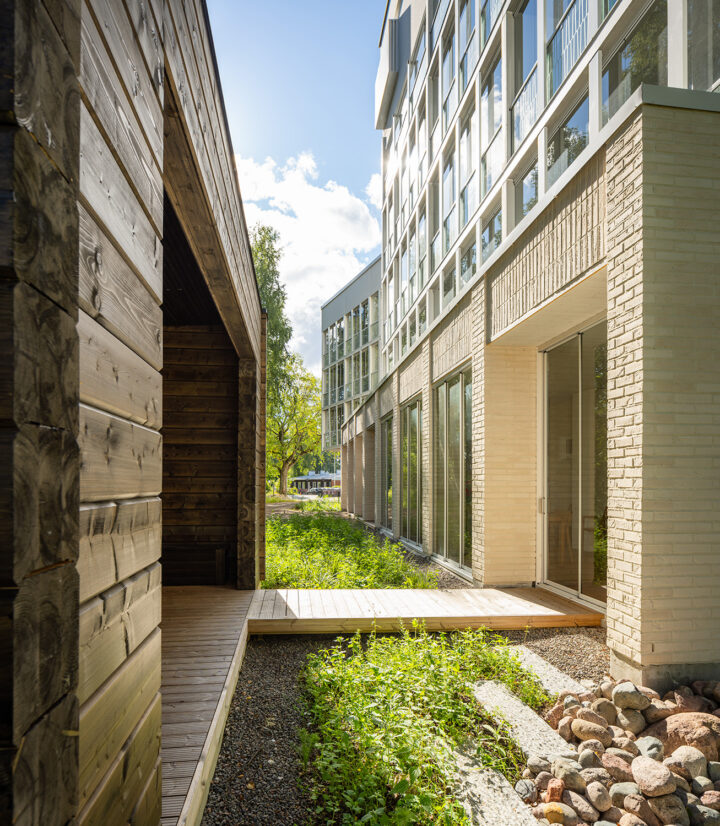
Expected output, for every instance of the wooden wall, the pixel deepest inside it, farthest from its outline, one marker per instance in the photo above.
(200, 444)
(103, 106)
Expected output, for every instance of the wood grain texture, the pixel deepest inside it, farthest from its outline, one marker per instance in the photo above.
(118, 459)
(112, 626)
(114, 378)
(112, 294)
(117, 540)
(106, 96)
(111, 714)
(109, 196)
(123, 787)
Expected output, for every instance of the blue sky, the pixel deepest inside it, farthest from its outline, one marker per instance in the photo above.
(298, 79)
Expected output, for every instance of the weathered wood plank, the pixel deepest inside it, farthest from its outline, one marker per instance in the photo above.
(112, 294)
(115, 379)
(114, 624)
(148, 36)
(110, 197)
(120, 790)
(119, 459)
(111, 714)
(197, 356)
(117, 32)
(104, 92)
(148, 809)
(116, 541)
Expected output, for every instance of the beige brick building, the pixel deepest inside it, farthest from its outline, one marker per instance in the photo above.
(548, 404)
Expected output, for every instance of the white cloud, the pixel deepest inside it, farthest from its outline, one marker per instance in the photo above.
(327, 233)
(374, 190)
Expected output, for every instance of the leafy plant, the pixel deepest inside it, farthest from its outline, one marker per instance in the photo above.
(317, 549)
(324, 505)
(389, 712)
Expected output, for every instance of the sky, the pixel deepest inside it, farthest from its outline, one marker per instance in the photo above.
(298, 78)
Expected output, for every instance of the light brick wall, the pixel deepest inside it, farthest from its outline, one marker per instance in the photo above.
(510, 465)
(368, 489)
(358, 474)
(452, 342)
(478, 338)
(565, 241)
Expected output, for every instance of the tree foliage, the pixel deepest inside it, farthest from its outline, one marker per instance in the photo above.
(266, 254)
(293, 418)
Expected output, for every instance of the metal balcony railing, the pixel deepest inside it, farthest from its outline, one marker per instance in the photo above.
(566, 45)
(524, 111)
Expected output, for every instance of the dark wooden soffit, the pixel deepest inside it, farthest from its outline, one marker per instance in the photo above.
(200, 177)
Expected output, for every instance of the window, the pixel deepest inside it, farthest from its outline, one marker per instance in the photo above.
(422, 318)
(642, 58)
(491, 235)
(418, 56)
(411, 472)
(422, 250)
(448, 283)
(490, 124)
(488, 15)
(525, 106)
(468, 265)
(448, 203)
(468, 192)
(386, 481)
(412, 333)
(568, 142)
(412, 267)
(452, 484)
(567, 33)
(448, 80)
(403, 281)
(526, 192)
(403, 340)
(703, 43)
(467, 42)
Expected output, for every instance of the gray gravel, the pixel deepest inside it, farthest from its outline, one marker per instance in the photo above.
(579, 652)
(256, 778)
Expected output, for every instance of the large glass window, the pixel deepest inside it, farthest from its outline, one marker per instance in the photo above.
(448, 203)
(566, 28)
(526, 192)
(467, 42)
(452, 489)
(411, 468)
(568, 142)
(525, 107)
(488, 16)
(386, 481)
(422, 250)
(468, 182)
(491, 127)
(576, 464)
(448, 81)
(642, 58)
(468, 265)
(448, 282)
(418, 56)
(491, 235)
(703, 43)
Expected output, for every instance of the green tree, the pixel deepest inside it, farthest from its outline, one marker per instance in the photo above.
(293, 418)
(266, 252)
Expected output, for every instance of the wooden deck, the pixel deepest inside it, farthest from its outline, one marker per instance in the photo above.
(287, 611)
(205, 631)
(204, 634)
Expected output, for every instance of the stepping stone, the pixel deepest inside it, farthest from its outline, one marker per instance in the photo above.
(529, 730)
(553, 680)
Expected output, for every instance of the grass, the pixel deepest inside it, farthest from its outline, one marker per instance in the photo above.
(386, 715)
(317, 549)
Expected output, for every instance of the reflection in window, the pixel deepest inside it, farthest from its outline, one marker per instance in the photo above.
(642, 58)
(703, 43)
(448, 286)
(468, 265)
(566, 42)
(526, 192)
(468, 185)
(525, 107)
(491, 235)
(411, 472)
(449, 221)
(467, 42)
(452, 488)
(568, 142)
(448, 81)
(386, 477)
(491, 104)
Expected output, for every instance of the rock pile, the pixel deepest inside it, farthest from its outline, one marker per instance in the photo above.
(641, 760)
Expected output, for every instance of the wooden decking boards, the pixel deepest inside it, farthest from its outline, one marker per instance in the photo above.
(205, 631)
(306, 611)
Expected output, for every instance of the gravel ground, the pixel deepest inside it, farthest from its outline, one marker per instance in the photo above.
(446, 578)
(579, 652)
(256, 779)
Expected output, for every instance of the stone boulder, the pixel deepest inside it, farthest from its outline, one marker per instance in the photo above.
(653, 778)
(682, 730)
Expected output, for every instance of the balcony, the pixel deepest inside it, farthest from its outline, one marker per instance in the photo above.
(524, 110)
(566, 46)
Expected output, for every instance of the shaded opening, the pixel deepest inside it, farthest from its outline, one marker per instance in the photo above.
(200, 424)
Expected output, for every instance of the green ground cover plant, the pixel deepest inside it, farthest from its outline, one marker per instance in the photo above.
(386, 714)
(318, 549)
(322, 505)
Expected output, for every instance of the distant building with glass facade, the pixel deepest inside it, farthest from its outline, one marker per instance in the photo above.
(350, 331)
(547, 406)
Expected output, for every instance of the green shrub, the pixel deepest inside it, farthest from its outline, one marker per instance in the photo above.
(320, 550)
(386, 716)
(321, 505)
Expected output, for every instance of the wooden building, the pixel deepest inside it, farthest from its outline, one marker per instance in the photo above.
(131, 388)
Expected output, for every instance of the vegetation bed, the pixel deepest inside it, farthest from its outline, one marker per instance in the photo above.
(318, 549)
(386, 715)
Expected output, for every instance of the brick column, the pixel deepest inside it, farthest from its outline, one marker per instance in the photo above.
(368, 491)
(358, 474)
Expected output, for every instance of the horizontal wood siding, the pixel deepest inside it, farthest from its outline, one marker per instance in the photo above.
(200, 444)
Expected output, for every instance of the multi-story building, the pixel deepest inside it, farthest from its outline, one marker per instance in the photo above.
(547, 411)
(349, 350)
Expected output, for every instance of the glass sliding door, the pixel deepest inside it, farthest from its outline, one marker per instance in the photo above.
(576, 464)
(452, 493)
(386, 444)
(411, 500)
